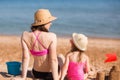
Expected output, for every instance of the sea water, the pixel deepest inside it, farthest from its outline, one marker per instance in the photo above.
(95, 18)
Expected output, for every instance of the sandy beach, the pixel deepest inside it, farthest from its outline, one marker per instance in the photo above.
(10, 50)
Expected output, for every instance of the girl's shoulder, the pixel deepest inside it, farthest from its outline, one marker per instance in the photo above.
(84, 58)
(69, 54)
(84, 55)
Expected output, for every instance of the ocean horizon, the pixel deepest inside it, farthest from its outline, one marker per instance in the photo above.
(94, 18)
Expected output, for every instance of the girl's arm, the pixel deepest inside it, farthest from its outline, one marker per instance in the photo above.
(87, 68)
(53, 57)
(87, 65)
(65, 68)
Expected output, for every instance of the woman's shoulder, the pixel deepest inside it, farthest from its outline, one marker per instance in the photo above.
(26, 34)
(52, 34)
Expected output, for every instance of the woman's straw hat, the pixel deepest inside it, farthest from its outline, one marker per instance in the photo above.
(80, 41)
(42, 16)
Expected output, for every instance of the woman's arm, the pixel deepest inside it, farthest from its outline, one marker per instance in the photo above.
(25, 57)
(64, 68)
(53, 57)
(25, 60)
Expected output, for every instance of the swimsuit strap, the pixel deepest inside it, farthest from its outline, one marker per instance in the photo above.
(37, 40)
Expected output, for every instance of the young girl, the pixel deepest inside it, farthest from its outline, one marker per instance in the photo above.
(76, 61)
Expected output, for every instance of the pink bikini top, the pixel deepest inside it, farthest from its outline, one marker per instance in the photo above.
(41, 52)
(76, 71)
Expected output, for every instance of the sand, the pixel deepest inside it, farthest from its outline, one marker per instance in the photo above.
(10, 50)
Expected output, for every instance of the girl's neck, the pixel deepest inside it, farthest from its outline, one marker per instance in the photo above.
(79, 56)
(76, 52)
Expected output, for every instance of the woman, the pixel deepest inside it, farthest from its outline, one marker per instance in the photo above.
(76, 62)
(42, 45)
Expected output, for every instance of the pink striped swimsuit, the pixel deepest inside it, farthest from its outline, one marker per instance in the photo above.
(75, 71)
(35, 52)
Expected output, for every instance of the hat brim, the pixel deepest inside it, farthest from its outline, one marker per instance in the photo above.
(76, 43)
(52, 18)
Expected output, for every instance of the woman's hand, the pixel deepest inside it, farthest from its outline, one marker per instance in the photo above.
(17, 78)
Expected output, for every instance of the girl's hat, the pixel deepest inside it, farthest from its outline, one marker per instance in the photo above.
(80, 41)
(42, 16)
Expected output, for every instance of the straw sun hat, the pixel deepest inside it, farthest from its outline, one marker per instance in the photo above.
(42, 16)
(80, 41)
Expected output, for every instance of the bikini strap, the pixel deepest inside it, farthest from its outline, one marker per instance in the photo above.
(37, 40)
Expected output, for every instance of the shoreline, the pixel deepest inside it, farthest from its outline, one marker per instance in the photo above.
(10, 50)
(65, 36)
